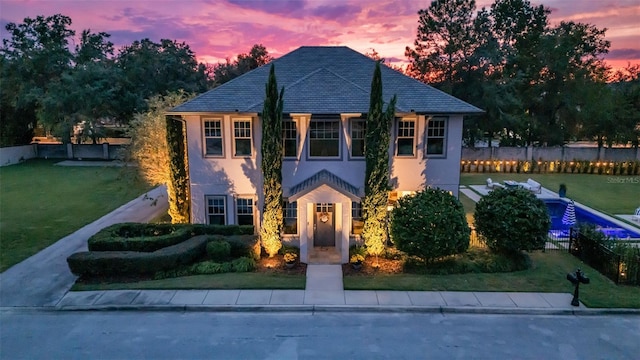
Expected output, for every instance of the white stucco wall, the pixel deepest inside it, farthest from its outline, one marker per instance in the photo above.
(242, 177)
(17, 154)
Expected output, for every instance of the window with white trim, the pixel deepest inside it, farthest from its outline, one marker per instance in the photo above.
(324, 138)
(357, 222)
(436, 136)
(406, 138)
(216, 210)
(244, 211)
(358, 128)
(290, 217)
(242, 138)
(212, 131)
(289, 139)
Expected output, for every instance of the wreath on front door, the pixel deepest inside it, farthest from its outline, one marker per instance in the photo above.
(324, 217)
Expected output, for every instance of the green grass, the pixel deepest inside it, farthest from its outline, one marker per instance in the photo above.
(469, 207)
(547, 275)
(41, 203)
(217, 281)
(607, 193)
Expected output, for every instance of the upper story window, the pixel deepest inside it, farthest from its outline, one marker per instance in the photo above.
(216, 210)
(290, 212)
(213, 137)
(244, 211)
(289, 138)
(357, 222)
(436, 136)
(406, 138)
(324, 138)
(242, 138)
(358, 127)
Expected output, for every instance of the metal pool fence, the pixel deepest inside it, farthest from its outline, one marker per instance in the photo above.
(621, 265)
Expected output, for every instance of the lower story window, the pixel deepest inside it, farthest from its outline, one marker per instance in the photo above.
(244, 211)
(357, 223)
(290, 217)
(216, 214)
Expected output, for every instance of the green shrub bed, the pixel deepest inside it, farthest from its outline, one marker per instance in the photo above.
(110, 263)
(167, 250)
(152, 237)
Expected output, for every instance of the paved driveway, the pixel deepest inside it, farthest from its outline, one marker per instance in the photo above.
(44, 278)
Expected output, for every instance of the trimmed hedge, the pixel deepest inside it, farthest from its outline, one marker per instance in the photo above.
(152, 237)
(107, 263)
(241, 245)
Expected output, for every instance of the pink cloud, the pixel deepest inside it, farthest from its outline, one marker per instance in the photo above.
(219, 29)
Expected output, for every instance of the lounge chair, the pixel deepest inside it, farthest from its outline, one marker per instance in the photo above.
(532, 186)
(636, 215)
(493, 185)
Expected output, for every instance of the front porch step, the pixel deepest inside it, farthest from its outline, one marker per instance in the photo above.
(323, 255)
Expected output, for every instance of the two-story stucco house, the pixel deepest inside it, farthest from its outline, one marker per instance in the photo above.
(326, 99)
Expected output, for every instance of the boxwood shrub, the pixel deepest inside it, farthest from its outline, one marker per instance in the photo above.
(429, 225)
(108, 263)
(218, 250)
(512, 220)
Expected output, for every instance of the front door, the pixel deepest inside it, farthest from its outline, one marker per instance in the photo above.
(324, 232)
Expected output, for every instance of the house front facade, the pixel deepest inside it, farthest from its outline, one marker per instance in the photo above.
(326, 99)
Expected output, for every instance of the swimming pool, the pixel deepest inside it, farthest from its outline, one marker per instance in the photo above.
(556, 210)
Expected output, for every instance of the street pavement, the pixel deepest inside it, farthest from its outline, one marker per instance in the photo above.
(313, 335)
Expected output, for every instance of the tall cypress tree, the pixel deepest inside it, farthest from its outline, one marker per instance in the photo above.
(376, 152)
(272, 216)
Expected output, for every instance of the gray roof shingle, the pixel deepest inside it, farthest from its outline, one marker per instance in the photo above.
(325, 80)
(323, 177)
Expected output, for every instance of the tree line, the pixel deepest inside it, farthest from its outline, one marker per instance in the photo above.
(55, 81)
(539, 84)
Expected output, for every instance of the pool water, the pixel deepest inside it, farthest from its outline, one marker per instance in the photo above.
(556, 210)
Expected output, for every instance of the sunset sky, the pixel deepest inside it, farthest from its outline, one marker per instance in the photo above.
(218, 29)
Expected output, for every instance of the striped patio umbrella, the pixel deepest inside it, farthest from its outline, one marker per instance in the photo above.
(569, 217)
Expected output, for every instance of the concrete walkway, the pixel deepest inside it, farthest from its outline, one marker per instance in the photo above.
(44, 278)
(330, 300)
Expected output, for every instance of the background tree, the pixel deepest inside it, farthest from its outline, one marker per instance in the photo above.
(224, 72)
(148, 68)
(376, 152)
(34, 56)
(149, 148)
(272, 216)
(532, 79)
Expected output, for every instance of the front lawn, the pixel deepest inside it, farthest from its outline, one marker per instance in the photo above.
(607, 193)
(548, 274)
(41, 203)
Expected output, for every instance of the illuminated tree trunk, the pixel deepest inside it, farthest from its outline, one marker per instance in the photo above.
(272, 216)
(376, 149)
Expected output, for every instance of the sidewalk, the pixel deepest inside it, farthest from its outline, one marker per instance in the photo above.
(313, 300)
(44, 278)
(324, 292)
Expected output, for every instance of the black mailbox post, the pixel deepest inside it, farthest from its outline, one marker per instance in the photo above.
(576, 279)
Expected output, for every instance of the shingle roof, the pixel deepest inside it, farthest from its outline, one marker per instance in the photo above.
(325, 80)
(323, 177)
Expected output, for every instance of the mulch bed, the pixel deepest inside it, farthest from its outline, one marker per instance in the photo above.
(371, 266)
(275, 265)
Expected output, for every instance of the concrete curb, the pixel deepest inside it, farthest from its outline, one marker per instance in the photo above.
(339, 309)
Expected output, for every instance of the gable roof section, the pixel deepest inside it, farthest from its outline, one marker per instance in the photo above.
(325, 80)
(323, 177)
